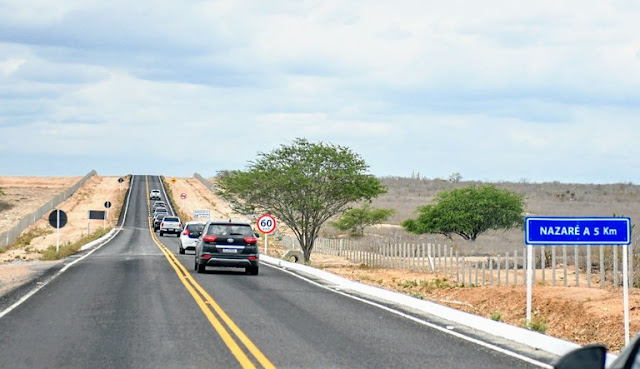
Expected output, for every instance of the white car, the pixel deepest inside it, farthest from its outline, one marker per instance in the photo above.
(189, 235)
(155, 195)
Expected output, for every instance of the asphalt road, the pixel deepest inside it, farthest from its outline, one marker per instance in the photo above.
(135, 304)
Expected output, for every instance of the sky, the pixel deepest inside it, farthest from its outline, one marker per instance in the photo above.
(533, 91)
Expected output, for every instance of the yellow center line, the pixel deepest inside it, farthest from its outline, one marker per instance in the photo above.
(190, 283)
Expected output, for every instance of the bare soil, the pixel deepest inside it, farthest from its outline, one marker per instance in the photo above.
(581, 315)
(26, 194)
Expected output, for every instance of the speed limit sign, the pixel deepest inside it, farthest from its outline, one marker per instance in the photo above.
(266, 223)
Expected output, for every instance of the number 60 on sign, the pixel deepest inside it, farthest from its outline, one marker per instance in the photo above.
(266, 223)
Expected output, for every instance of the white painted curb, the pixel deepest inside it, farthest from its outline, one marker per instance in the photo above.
(102, 240)
(523, 336)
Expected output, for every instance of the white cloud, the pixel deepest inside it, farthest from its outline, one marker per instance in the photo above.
(493, 90)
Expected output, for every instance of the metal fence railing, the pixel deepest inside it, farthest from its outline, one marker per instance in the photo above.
(595, 266)
(6, 238)
(208, 184)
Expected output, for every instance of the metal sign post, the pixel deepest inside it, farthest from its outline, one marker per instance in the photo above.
(107, 205)
(625, 288)
(58, 219)
(591, 231)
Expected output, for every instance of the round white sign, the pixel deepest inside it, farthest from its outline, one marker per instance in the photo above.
(266, 223)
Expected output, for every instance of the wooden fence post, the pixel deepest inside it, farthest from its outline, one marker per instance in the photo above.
(484, 277)
(543, 265)
(457, 268)
(463, 269)
(515, 267)
(553, 265)
(506, 268)
(476, 273)
(564, 262)
(588, 266)
(615, 266)
(490, 271)
(499, 276)
(602, 275)
(439, 258)
(576, 262)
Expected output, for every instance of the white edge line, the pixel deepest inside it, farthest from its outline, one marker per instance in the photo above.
(108, 237)
(422, 322)
(165, 196)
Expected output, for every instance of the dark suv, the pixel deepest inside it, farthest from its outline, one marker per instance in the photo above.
(227, 243)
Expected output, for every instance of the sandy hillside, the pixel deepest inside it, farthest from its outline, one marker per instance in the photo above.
(18, 264)
(24, 195)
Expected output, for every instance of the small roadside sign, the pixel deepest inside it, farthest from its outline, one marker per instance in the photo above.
(183, 196)
(584, 231)
(107, 204)
(96, 214)
(577, 231)
(120, 180)
(58, 218)
(173, 180)
(202, 214)
(266, 223)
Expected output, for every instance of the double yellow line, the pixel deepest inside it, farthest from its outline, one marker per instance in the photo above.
(208, 306)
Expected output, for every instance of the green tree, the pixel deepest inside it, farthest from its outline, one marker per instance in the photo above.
(303, 184)
(469, 212)
(357, 219)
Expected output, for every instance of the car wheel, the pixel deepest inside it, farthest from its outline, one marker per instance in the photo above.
(181, 250)
(201, 268)
(252, 270)
(161, 234)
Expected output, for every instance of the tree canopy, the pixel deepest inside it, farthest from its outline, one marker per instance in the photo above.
(468, 212)
(303, 184)
(357, 219)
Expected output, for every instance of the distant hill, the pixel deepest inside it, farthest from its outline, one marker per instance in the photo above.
(549, 199)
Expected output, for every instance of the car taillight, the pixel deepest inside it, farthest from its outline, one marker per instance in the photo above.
(251, 240)
(186, 232)
(253, 258)
(206, 256)
(209, 238)
(162, 225)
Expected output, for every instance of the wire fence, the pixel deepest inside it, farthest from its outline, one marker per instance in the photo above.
(585, 266)
(6, 238)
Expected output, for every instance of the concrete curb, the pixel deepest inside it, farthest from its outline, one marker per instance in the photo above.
(102, 240)
(523, 336)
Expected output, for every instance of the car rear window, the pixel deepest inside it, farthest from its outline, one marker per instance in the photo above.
(230, 230)
(195, 227)
(171, 219)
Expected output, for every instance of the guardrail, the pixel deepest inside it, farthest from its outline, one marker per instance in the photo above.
(6, 238)
(205, 182)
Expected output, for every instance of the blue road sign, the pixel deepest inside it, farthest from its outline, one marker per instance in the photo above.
(577, 231)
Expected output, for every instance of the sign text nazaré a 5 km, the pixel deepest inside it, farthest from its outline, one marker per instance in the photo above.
(577, 231)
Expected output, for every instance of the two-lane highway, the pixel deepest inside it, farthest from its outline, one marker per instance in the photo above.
(135, 304)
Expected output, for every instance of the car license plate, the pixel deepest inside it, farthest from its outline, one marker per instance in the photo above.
(170, 229)
(231, 251)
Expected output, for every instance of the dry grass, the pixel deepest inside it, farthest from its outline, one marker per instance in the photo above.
(549, 199)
